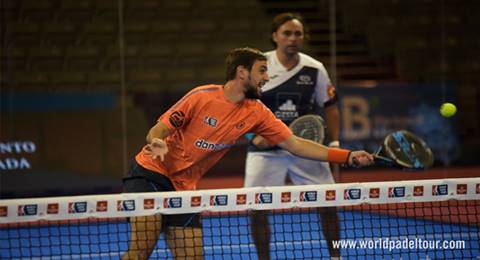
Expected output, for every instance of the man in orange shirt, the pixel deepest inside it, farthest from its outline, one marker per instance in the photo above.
(194, 134)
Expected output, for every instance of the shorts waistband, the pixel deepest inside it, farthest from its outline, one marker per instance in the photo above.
(138, 171)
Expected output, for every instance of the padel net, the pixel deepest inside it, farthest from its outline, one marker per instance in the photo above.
(382, 220)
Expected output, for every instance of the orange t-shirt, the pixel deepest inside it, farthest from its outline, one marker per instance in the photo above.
(206, 124)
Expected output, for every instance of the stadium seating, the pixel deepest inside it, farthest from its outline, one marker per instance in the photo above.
(68, 46)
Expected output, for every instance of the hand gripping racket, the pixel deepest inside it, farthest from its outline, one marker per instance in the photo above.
(404, 150)
(309, 127)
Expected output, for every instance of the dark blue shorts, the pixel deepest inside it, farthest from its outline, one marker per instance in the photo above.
(140, 179)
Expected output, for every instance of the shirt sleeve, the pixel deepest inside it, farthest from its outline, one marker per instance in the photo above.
(180, 113)
(270, 127)
(325, 92)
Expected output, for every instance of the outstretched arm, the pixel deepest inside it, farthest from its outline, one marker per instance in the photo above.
(311, 150)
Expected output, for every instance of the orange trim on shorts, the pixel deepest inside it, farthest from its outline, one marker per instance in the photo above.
(337, 155)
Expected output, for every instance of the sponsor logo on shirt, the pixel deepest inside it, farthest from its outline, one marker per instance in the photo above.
(305, 80)
(331, 91)
(203, 144)
(240, 125)
(288, 106)
(287, 110)
(177, 118)
(274, 76)
(210, 121)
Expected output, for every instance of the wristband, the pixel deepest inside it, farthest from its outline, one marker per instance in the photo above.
(337, 155)
(335, 143)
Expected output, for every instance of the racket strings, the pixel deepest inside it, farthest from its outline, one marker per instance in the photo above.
(309, 127)
(409, 150)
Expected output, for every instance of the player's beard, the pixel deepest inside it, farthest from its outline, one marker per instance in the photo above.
(251, 91)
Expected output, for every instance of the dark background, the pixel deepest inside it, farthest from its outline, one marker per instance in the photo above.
(82, 81)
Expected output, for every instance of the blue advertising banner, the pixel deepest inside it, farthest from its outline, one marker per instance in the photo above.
(371, 113)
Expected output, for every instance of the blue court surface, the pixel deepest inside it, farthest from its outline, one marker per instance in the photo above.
(295, 236)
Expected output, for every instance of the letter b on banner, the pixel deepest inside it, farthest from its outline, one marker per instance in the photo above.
(356, 124)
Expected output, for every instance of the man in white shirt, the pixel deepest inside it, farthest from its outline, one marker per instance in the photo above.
(298, 85)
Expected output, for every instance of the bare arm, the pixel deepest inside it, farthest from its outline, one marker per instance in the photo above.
(332, 118)
(311, 150)
(305, 148)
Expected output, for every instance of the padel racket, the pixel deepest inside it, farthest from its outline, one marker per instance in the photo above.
(309, 127)
(404, 150)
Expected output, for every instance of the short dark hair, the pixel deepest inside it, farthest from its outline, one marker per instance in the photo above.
(245, 57)
(282, 18)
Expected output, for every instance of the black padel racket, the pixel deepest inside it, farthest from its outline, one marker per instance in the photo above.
(404, 150)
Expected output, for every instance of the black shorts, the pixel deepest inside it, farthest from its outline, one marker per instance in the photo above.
(140, 179)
